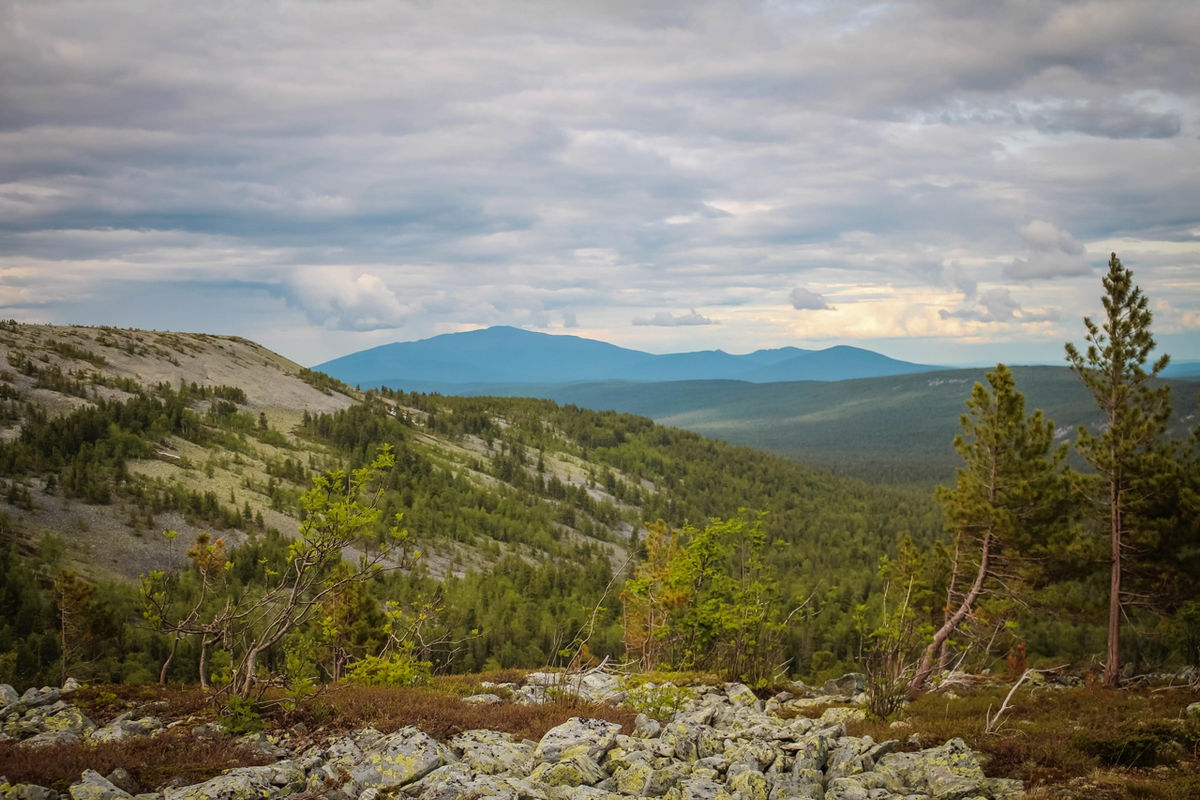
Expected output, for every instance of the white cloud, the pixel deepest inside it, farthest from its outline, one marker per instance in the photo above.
(345, 299)
(668, 320)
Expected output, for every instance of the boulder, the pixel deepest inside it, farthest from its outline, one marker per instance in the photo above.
(482, 699)
(41, 697)
(592, 737)
(457, 782)
(8, 695)
(399, 758)
(94, 786)
(849, 685)
(245, 783)
(492, 752)
(123, 728)
(577, 769)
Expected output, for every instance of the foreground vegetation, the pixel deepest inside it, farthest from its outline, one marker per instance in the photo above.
(1060, 741)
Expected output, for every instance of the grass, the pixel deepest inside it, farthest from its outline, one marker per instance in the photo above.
(1090, 742)
(442, 714)
(153, 761)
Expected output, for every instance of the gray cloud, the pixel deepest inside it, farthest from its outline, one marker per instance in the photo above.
(1052, 252)
(668, 320)
(998, 305)
(807, 300)
(497, 163)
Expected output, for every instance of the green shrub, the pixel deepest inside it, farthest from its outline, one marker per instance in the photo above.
(397, 669)
(661, 701)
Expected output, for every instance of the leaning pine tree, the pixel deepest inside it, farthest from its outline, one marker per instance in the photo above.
(1135, 418)
(1004, 491)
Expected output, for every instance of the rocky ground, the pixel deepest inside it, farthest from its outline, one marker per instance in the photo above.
(721, 742)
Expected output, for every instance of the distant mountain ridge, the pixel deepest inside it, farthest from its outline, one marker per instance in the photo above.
(507, 355)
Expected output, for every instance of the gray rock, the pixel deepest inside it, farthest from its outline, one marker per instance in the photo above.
(399, 758)
(124, 728)
(71, 685)
(646, 727)
(592, 737)
(1193, 712)
(576, 769)
(849, 685)
(948, 772)
(492, 752)
(94, 786)
(482, 699)
(121, 778)
(740, 694)
(698, 789)
(458, 782)
(8, 695)
(28, 791)
(41, 697)
(245, 783)
(50, 739)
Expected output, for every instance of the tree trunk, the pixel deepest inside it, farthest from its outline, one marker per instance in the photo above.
(162, 674)
(917, 683)
(1112, 663)
(204, 644)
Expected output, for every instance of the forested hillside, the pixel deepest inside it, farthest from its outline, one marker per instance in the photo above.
(509, 532)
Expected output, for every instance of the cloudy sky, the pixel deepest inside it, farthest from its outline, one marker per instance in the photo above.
(941, 181)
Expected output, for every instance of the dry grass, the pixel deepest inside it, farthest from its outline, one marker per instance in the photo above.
(442, 714)
(151, 761)
(1087, 742)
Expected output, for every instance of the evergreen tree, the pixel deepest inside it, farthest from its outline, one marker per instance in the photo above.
(1135, 416)
(1006, 486)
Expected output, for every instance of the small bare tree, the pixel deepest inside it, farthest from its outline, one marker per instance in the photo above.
(338, 511)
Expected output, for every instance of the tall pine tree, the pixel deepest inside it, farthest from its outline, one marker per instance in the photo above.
(1135, 417)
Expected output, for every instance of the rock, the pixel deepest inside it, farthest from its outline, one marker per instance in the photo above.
(50, 739)
(948, 772)
(399, 758)
(71, 685)
(596, 687)
(646, 727)
(577, 769)
(94, 786)
(245, 783)
(28, 791)
(698, 789)
(1193, 712)
(457, 782)
(593, 737)
(483, 699)
(849, 685)
(832, 716)
(739, 694)
(492, 752)
(8, 695)
(41, 697)
(124, 728)
(121, 778)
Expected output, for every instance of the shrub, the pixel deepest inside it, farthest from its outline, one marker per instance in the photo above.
(395, 669)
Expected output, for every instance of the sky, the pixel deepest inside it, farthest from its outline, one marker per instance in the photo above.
(942, 181)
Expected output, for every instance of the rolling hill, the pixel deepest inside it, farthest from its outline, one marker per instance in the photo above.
(468, 363)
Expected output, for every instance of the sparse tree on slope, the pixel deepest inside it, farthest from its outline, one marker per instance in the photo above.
(1003, 490)
(1135, 416)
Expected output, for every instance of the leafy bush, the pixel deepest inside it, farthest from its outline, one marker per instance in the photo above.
(658, 701)
(240, 716)
(395, 669)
